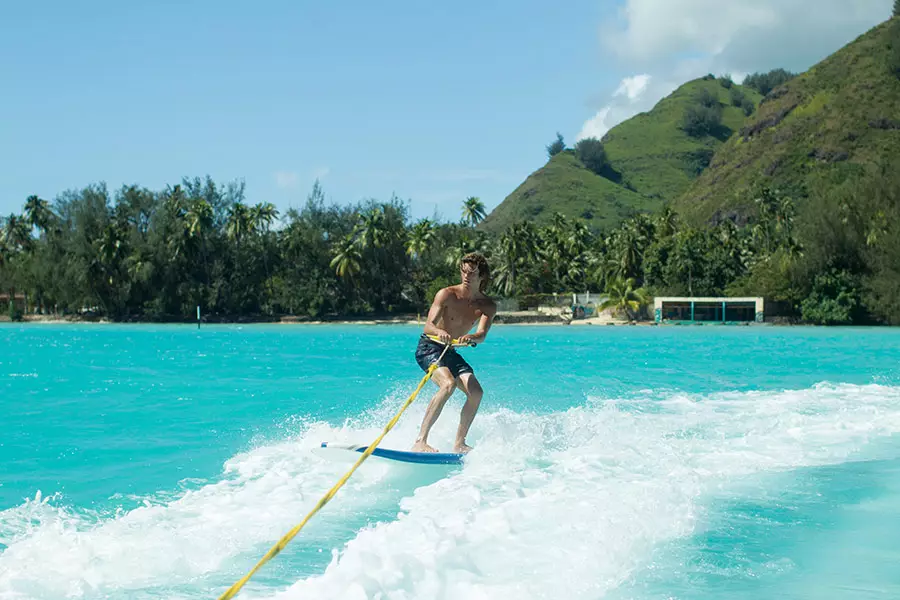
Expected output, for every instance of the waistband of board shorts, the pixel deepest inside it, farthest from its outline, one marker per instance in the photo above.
(425, 338)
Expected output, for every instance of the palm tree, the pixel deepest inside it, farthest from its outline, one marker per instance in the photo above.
(198, 222)
(626, 247)
(16, 233)
(420, 237)
(199, 219)
(262, 215)
(473, 211)
(239, 222)
(38, 212)
(666, 223)
(347, 259)
(623, 297)
(372, 231)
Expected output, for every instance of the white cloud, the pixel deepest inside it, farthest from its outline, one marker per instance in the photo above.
(633, 87)
(673, 41)
(596, 126)
(631, 90)
(286, 179)
(659, 27)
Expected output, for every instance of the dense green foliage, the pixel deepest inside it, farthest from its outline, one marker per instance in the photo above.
(839, 120)
(157, 255)
(766, 82)
(141, 254)
(592, 155)
(651, 160)
(705, 116)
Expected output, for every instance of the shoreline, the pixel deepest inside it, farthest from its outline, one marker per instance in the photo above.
(519, 319)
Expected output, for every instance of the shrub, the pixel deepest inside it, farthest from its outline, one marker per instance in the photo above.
(706, 98)
(592, 155)
(701, 120)
(834, 299)
(766, 82)
(748, 107)
(557, 146)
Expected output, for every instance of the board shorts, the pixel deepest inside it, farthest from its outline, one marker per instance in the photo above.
(428, 351)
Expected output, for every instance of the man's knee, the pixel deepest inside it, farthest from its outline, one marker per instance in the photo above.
(446, 387)
(473, 390)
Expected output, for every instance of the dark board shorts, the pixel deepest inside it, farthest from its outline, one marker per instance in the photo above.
(429, 351)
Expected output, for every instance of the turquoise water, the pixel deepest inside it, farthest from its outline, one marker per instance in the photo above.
(610, 462)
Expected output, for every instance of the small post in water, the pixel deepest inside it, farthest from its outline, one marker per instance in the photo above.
(198, 316)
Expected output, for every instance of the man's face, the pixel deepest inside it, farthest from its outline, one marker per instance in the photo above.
(469, 275)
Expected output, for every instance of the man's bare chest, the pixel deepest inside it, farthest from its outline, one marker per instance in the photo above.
(463, 309)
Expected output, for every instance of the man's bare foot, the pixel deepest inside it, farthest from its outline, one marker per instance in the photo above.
(421, 446)
(461, 448)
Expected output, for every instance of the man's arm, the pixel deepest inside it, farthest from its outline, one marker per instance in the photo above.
(435, 313)
(484, 324)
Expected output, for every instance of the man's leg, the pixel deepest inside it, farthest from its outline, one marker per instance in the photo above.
(468, 384)
(446, 386)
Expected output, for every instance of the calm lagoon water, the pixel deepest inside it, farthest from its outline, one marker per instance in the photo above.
(611, 462)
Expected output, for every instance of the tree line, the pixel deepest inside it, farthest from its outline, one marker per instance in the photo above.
(138, 254)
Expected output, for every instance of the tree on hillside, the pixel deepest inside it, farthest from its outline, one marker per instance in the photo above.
(894, 43)
(897, 8)
(473, 211)
(557, 146)
(707, 98)
(766, 82)
(704, 116)
(748, 107)
(592, 155)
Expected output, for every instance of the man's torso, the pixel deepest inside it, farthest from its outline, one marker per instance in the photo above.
(461, 313)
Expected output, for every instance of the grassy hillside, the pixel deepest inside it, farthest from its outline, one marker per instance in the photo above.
(566, 186)
(652, 160)
(831, 125)
(652, 152)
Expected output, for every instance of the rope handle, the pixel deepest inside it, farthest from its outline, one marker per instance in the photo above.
(453, 342)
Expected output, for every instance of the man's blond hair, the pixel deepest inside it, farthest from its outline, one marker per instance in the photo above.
(478, 261)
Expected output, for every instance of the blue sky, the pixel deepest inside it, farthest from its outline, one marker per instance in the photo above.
(432, 101)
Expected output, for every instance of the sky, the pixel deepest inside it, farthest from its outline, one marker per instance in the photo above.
(431, 102)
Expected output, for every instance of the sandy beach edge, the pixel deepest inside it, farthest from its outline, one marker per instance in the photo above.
(501, 320)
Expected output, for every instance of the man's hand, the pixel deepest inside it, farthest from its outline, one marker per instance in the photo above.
(443, 336)
(467, 339)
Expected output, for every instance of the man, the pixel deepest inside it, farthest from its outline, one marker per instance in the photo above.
(453, 313)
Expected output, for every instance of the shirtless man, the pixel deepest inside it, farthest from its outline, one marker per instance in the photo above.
(453, 313)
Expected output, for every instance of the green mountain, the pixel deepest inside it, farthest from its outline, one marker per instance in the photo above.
(656, 157)
(652, 160)
(833, 125)
(565, 185)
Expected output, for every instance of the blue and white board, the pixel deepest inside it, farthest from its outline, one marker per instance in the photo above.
(428, 458)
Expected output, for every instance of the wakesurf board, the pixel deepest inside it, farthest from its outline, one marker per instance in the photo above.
(404, 456)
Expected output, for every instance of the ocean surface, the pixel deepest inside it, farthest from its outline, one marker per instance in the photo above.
(610, 462)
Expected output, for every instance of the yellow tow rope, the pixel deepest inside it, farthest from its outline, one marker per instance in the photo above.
(234, 589)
